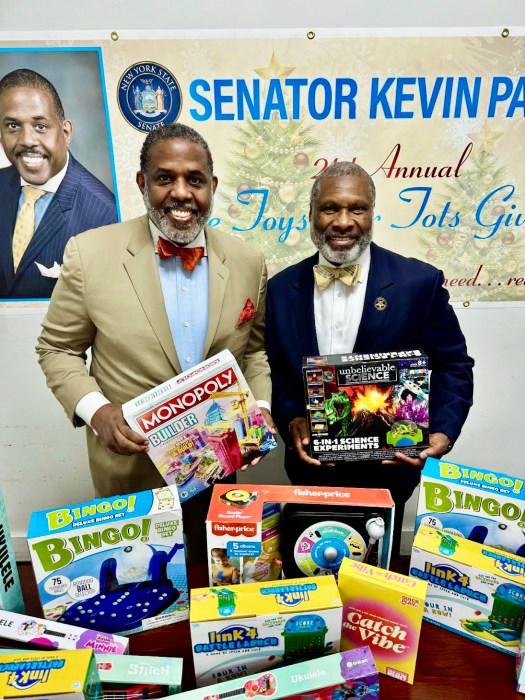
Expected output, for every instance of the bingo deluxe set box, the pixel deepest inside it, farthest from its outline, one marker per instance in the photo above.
(367, 406)
(201, 425)
(255, 627)
(113, 564)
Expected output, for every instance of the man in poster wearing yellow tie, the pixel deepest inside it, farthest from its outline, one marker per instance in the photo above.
(355, 296)
(46, 196)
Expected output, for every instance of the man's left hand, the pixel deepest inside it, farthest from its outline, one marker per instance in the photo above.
(271, 425)
(438, 446)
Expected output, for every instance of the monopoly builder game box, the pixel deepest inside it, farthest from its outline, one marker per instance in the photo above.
(112, 564)
(482, 505)
(367, 406)
(201, 425)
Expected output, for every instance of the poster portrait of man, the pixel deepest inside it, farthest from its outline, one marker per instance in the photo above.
(56, 170)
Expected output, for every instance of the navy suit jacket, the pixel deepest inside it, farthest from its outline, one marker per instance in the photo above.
(417, 315)
(81, 202)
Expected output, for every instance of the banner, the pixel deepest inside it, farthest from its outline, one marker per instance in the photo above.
(439, 123)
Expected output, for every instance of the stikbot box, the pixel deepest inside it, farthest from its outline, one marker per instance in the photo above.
(474, 590)
(33, 674)
(245, 629)
(367, 406)
(10, 591)
(256, 532)
(335, 677)
(139, 676)
(482, 505)
(34, 631)
(383, 609)
(201, 425)
(113, 564)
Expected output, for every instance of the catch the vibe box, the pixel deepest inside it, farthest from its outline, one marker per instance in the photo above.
(112, 564)
(201, 425)
(367, 406)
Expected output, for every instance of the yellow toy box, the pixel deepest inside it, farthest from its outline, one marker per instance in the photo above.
(257, 533)
(474, 590)
(384, 610)
(260, 626)
(70, 674)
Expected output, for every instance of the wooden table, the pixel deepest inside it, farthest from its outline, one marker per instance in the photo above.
(449, 667)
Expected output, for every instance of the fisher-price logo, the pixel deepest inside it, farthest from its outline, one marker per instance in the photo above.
(172, 407)
(23, 675)
(247, 529)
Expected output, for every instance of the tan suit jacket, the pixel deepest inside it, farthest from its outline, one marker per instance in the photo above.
(109, 298)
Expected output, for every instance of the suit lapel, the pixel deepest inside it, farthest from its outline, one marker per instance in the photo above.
(144, 276)
(10, 196)
(378, 306)
(218, 276)
(302, 305)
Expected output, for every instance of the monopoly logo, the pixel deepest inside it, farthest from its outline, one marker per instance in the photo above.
(23, 675)
(151, 420)
(248, 529)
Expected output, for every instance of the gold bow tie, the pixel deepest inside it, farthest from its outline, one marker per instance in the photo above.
(324, 275)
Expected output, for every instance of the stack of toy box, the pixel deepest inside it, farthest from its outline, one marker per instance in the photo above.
(245, 629)
(318, 527)
(114, 564)
(383, 609)
(474, 590)
(201, 425)
(10, 591)
(139, 676)
(367, 406)
(26, 629)
(482, 505)
(70, 674)
(351, 674)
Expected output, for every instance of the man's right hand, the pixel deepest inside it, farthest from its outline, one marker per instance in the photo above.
(299, 439)
(114, 433)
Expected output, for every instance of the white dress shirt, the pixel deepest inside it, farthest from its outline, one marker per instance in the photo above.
(338, 310)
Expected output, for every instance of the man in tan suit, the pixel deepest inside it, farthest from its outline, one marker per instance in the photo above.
(145, 316)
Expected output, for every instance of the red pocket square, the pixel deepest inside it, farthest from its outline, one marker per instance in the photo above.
(247, 313)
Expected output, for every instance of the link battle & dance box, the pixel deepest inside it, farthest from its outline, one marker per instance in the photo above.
(201, 425)
(367, 406)
(113, 564)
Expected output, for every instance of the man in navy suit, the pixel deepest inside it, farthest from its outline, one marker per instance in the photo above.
(35, 137)
(397, 303)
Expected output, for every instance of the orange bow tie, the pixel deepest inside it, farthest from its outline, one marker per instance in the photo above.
(189, 256)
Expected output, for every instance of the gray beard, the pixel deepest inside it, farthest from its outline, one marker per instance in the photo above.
(341, 257)
(182, 236)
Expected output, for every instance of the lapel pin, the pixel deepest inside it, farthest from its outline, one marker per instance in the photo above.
(380, 304)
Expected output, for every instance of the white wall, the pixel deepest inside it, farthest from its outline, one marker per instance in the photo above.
(42, 458)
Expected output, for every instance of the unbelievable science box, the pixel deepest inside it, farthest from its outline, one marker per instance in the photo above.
(258, 532)
(257, 626)
(201, 425)
(113, 564)
(10, 591)
(482, 505)
(367, 406)
(384, 610)
(351, 674)
(35, 674)
(474, 590)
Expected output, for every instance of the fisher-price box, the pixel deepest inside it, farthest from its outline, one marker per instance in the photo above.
(384, 610)
(482, 505)
(367, 406)
(259, 626)
(144, 677)
(36, 632)
(350, 674)
(474, 590)
(10, 590)
(201, 425)
(258, 532)
(113, 564)
(71, 675)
